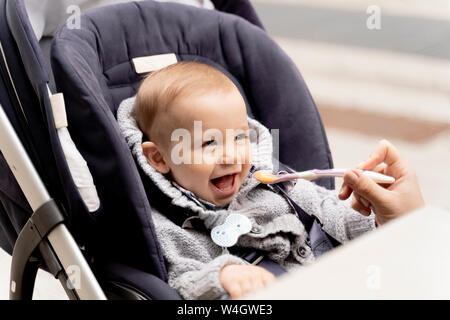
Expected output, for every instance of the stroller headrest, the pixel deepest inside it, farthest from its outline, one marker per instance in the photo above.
(93, 68)
(111, 37)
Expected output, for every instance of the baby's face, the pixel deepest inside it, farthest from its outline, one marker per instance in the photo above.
(212, 157)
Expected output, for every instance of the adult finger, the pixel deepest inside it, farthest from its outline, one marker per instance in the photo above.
(365, 187)
(356, 205)
(383, 152)
(381, 168)
(345, 192)
(363, 201)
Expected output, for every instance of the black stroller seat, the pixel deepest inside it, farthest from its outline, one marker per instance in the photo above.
(93, 67)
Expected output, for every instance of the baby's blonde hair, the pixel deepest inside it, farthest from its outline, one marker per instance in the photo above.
(162, 88)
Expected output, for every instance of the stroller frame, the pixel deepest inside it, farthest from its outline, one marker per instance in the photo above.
(44, 230)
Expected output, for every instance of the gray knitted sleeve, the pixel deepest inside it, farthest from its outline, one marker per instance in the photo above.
(195, 280)
(193, 260)
(338, 218)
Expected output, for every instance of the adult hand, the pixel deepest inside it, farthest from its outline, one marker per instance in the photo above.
(387, 202)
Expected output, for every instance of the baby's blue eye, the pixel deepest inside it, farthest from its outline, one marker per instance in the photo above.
(241, 136)
(209, 143)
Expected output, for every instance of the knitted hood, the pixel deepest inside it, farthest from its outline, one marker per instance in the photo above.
(275, 228)
(261, 148)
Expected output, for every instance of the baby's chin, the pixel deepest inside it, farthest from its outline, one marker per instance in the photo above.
(223, 202)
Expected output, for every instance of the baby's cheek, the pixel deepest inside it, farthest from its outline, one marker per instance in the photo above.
(249, 155)
(191, 177)
(181, 154)
(200, 171)
(209, 157)
(244, 154)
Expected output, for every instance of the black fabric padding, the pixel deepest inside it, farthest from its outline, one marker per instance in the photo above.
(92, 67)
(242, 8)
(22, 84)
(30, 52)
(36, 128)
(12, 218)
(145, 284)
(45, 45)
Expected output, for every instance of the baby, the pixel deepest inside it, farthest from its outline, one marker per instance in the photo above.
(179, 97)
(200, 153)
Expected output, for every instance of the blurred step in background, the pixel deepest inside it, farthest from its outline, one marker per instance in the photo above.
(372, 79)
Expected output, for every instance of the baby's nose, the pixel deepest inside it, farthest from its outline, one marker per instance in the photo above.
(229, 155)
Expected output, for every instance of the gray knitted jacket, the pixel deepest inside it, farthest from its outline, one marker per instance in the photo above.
(194, 260)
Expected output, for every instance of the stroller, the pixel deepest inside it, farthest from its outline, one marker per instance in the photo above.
(45, 222)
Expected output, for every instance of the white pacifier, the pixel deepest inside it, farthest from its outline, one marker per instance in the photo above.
(227, 234)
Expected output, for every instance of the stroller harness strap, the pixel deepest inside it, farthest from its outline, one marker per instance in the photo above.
(257, 258)
(78, 167)
(319, 240)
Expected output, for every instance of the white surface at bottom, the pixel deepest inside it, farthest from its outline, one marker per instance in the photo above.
(409, 258)
(406, 259)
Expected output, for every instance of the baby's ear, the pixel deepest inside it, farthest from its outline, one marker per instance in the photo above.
(154, 157)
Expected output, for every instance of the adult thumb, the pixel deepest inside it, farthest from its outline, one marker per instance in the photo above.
(365, 187)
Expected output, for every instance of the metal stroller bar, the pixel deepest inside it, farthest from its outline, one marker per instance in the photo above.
(45, 229)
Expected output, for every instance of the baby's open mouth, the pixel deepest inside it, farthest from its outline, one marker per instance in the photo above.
(224, 185)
